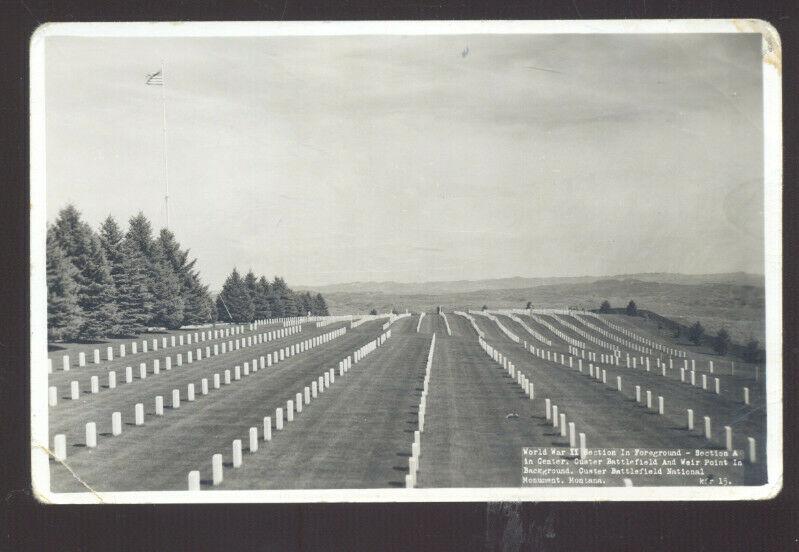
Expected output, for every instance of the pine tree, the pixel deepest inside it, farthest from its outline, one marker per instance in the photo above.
(276, 305)
(165, 288)
(251, 283)
(71, 234)
(64, 316)
(97, 295)
(195, 295)
(321, 305)
(696, 332)
(288, 299)
(721, 343)
(234, 300)
(164, 282)
(197, 308)
(261, 301)
(632, 308)
(134, 299)
(140, 234)
(111, 238)
(96, 289)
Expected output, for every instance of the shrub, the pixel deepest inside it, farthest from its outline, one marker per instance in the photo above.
(695, 333)
(752, 352)
(721, 344)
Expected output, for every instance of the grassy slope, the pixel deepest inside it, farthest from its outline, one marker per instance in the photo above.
(739, 308)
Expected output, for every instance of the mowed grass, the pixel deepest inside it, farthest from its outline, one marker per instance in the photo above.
(358, 434)
(57, 349)
(613, 419)
(61, 379)
(159, 454)
(69, 417)
(469, 440)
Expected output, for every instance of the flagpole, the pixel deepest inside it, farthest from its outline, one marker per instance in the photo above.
(166, 155)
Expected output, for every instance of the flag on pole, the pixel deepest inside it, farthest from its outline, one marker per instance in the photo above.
(156, 79)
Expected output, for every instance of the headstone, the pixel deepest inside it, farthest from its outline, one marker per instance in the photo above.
(237, 453)
(216, 469)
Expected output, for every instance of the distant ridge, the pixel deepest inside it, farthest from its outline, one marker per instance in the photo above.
(516, 282)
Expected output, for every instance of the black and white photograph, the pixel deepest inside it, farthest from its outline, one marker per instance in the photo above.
(406, 261)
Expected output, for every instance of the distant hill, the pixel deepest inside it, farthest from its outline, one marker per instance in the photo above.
(739, 307)
(463, 286)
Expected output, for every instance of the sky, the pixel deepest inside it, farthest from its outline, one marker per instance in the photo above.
(419, 158)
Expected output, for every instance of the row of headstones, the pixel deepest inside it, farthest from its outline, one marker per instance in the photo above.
(292, 406)
(671, 351)
(287, 320)
(226, 347)
(632, 362)
(645, 340)
(557, 331)
(528, 387)
(393, 318)
(419, 324)
(173, 341)
(582, 333)
(512, 336)
(471, 320)
(595, 372)
(322, 321)
(265, 362)
(416, 445)
(363, 318)
(446, 323)
(645, 361)
(527, 328)
(623, 342)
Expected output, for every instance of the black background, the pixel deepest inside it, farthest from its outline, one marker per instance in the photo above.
(28, 525)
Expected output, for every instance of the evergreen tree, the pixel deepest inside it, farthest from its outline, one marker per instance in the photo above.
(261, 301)
(276, 298)
(752, 352)
(251, 283)
(140, 234)
(234, 302)
(134, 299)
(166, 291)
(164, 282)
(198, 307)
(111, 238)
(64, 316)
(695, 333)
(304, 305)
(72, 234)
(212, 308)
(96, 289)
(605, 306)
(721, 343)
(289, 300)
(321, 305)
(97, 295)
(632, 308)
(195, 296)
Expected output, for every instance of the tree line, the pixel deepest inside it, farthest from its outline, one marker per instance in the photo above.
(252, 298)
(112, 283)
(696, 334)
